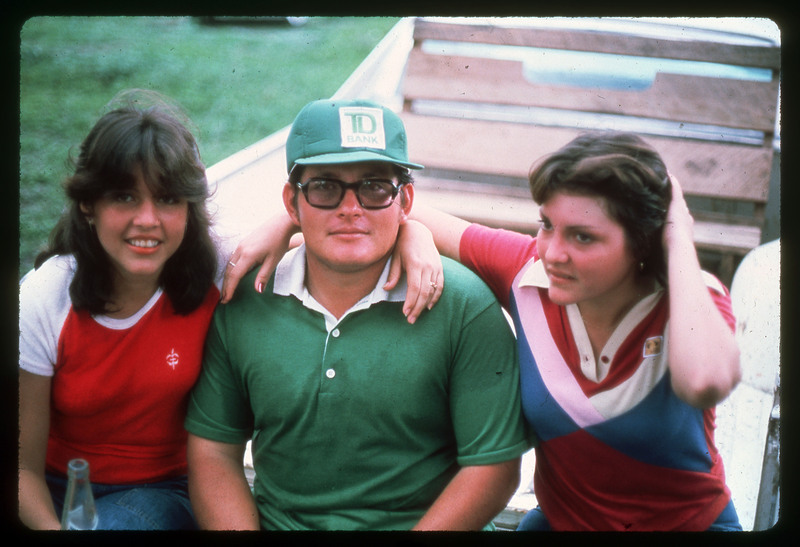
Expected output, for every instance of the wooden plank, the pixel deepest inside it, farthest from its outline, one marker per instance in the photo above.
(710, 169)
(726, 238)
(718, 170)
(767, 56)
(696, 99)
(496, 210)
(479, 146)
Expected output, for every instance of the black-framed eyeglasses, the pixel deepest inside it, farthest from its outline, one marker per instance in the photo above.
(328, 193)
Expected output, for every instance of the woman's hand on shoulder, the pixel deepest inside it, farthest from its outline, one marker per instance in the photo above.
(415, 254)
(266, 245)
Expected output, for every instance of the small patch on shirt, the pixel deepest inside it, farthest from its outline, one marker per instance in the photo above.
(172, 359)
(652, 346)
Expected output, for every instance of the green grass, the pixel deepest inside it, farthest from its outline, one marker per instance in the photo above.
(237, 83)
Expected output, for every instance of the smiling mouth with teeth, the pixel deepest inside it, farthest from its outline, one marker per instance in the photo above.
(146, 243)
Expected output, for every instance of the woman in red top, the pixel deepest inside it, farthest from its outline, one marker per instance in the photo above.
(112, 325)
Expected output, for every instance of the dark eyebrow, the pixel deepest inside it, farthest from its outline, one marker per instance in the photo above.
(325, 175)
(573, 227)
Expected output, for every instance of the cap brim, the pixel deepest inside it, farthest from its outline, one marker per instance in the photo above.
(355, 157)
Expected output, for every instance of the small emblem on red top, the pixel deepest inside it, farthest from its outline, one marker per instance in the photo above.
(172, 359)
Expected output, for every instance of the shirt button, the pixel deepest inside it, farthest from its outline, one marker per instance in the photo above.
(330, 373)
(605, 359)
(335, 333)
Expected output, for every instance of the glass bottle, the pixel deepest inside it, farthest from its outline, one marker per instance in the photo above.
(79, 512)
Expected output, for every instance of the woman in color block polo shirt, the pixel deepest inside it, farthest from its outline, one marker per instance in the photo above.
(625, 345)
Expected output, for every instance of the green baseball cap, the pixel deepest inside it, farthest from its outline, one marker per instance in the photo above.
(347, 131)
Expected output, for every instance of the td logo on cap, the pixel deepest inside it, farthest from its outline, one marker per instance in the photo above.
(347, 131)
(362, 127)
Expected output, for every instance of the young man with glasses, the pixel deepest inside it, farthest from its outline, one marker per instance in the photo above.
(359, 419)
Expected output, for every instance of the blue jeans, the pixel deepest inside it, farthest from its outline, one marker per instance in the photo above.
(154, 506)
(728, 521)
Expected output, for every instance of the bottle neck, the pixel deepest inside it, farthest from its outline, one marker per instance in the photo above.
(79, 511)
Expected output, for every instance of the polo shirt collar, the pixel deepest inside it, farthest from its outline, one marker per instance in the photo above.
(534, 276)
(290, 277)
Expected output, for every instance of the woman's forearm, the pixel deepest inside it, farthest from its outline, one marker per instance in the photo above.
(36, 509)
(446, 229)
(702, 351)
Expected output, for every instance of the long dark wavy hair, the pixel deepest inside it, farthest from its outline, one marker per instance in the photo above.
(144, 133)
(626, 171)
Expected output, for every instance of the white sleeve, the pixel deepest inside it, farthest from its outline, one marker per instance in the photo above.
(44, 304)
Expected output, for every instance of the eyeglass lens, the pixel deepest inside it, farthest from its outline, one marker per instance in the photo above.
(329, 193)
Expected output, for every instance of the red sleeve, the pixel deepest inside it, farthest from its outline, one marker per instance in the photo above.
(723, 303)
(496, 256)
(721, 297)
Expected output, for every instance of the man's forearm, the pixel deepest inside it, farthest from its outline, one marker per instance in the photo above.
(473, 498)
(218, 489)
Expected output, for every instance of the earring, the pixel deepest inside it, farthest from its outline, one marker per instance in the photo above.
(641, 266)
(90, 222)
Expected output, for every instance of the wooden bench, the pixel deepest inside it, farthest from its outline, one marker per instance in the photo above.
(477, 118)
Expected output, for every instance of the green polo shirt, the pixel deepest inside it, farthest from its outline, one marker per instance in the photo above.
(359, 423)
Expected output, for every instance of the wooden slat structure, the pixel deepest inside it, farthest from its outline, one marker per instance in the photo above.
(478, 121)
